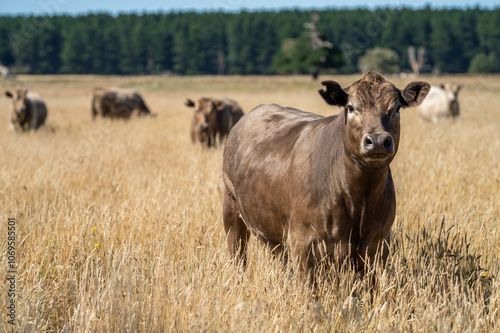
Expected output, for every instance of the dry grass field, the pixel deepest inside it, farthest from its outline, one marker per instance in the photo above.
(119, 223)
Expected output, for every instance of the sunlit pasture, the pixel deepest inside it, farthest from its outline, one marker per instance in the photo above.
(119, 223)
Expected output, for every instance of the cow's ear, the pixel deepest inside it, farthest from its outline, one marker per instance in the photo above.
(334, 94)
(218, 104)
(414, 93)
(9, 94)
(189, 103)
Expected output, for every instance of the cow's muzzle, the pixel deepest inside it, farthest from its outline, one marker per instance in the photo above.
(378, 145)
(203, 128)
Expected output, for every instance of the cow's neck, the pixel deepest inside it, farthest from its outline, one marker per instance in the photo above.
(361, 184)
(356, 184)
(364, 195)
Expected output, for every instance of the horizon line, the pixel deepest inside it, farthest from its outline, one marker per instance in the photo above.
(253, 10)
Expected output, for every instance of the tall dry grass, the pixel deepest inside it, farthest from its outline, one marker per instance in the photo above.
(119, 223)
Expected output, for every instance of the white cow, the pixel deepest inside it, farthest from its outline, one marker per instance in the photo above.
(5, 72)
(441, 103)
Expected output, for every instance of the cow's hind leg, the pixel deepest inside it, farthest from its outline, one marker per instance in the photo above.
(237, 232)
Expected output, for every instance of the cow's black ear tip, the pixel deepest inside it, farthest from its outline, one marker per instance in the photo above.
(330, 83)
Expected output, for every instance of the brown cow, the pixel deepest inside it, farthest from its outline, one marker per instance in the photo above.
(28, 110)
(213, 117)
(321, 186)
(117, 103)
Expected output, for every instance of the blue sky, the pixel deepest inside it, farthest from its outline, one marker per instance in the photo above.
(39, 7)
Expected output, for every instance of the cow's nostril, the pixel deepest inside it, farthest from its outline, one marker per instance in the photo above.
(387, 142)
(378, 143)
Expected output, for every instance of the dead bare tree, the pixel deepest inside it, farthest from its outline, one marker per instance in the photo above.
(417, 61)
(316, 41)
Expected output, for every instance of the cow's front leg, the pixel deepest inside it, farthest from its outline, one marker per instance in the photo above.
(303, 252)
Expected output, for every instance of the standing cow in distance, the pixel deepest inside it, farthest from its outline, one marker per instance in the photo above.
(441, 103)
(28, 110)
(117, 103)
(5, 73)
(319, 186)
(213, 117)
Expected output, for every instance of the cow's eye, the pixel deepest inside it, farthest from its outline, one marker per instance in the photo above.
(350, 109)
(395, 113)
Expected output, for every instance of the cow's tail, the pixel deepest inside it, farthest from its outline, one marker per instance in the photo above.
(94, 109)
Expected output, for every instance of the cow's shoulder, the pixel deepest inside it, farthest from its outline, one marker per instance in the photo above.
(274, 129)
(232, 106)
(33, 96)
(123, 93)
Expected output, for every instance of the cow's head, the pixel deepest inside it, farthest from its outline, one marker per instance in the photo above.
(144, 111)
(371, 116)
(204, 117)
(451, 90)
(143, 108)
(19, 103)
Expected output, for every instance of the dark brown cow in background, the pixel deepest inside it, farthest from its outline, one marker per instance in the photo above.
(117, 103)
(28, 110)
(322, 186)
(213, 117)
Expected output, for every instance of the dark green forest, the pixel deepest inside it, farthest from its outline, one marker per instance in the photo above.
(186, 43)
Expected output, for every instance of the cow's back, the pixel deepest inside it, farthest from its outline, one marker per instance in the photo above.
(235, 108)
(228, 116)
(125, 96)
(266, 130)
(435, 106)
(268, 123)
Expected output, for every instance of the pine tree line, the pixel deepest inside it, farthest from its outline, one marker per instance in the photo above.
(186, 43)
